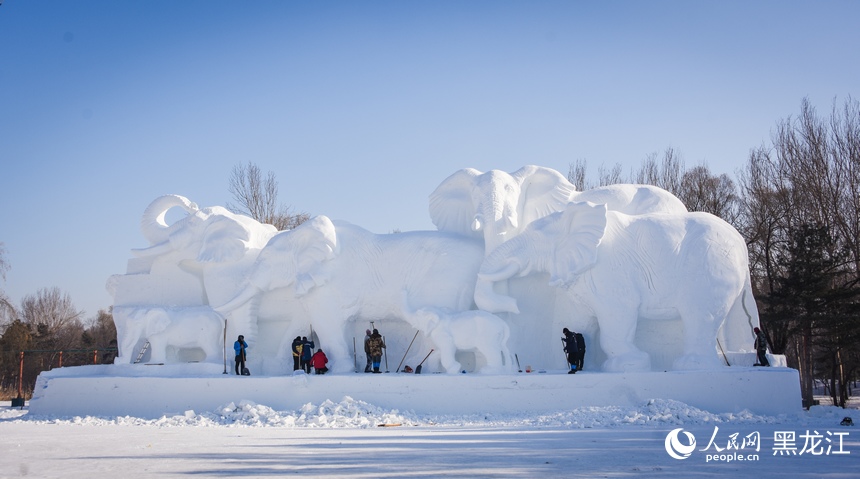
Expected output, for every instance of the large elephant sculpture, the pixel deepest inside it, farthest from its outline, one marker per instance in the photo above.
(620, 267)
(496, 206)
(338, 272)
(199, 259)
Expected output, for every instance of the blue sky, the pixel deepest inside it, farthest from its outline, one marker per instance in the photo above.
(362, 108)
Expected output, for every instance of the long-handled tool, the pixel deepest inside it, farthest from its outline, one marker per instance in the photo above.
(407, 351)
(519, 369)
(354, 358)
(385, 353)
(418, 368)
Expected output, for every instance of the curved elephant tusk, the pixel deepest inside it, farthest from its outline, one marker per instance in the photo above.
(508, 271)
(161, 248)
(239, 300)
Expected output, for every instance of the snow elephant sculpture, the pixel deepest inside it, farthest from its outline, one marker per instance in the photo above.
(339, 272)
(619, 267)
(180, 328)
(496, 206)
(473, 330)
(199, 259)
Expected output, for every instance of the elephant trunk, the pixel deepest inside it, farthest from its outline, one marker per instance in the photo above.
(153, 224)
(509, 260)
(499, 217)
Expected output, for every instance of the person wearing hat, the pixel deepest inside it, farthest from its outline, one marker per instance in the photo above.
(367, 350)
(571, 348)
(240, 346)
(376, 345)
(307, 352)
(761, 348)
(297, 352)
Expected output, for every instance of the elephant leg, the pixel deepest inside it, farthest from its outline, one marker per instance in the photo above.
(617, 330)
(331, 340)
(157, 348)
(447, 352)
(700, 333)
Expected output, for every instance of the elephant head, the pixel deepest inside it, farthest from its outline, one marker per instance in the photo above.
(205, 235)
(292, 258)
(563, 244)
(497, 205)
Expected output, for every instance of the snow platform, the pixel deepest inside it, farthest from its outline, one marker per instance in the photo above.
(154, 391)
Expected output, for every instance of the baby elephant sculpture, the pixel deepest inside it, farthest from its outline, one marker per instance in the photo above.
(194, 327)
(478, 331)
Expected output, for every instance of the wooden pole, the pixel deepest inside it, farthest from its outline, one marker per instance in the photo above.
(21, 376)
(407, 351)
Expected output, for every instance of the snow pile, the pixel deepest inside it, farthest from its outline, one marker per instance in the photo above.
(355, 414)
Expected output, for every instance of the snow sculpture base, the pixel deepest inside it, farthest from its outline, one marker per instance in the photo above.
(155, 391)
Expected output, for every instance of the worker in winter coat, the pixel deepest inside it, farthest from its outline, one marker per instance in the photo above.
(571, 349)
(240, 346)
(760, 348)
(297, 352)
(376, 345)
(319, 361)
(307, 351)
(367, 350)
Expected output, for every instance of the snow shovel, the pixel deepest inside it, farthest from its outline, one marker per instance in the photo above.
(418, 368)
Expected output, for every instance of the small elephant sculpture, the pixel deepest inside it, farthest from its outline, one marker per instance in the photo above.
(180, 328)
(472, 330)
(333, 272)
(619, 267)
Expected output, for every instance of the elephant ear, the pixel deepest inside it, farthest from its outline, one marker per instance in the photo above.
(296, 257)
(225, 240)
(582, 226)
(451, 207)
(543, 191)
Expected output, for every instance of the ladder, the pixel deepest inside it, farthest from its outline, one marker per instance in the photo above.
(142, 351)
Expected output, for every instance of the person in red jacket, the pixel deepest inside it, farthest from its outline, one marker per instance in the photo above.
(318, 361)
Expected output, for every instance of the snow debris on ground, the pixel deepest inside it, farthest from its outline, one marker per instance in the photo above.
(356, 414)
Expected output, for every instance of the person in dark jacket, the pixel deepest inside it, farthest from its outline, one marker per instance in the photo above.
(319, 361)
(760, 347)
(307, 352)
(580, 353)
(571, 349)
(240, 346)
(297, 352)
(376, 345)
(367, 334)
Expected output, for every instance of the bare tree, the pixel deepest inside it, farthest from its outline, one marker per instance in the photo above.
(576, 175)
(54, 319)
(609, 176)
(666, 173)
(702, 191)
(258, 198)
(6, 307)
(808, 180)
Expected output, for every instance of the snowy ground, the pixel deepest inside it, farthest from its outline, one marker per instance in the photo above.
(344, 439)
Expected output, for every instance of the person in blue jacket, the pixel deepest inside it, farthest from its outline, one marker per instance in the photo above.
(240, 346)
(307, 352)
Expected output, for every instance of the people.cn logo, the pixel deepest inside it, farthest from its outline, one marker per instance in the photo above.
(674, 446)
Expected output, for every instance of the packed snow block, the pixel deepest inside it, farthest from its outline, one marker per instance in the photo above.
(156, 391)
